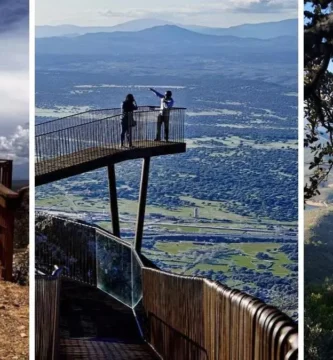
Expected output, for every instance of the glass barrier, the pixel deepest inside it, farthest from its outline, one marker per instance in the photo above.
(114, 273)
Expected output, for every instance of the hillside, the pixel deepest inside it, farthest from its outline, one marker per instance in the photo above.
(261, 30)
(318, 248)
(169, 51)
(154, 40)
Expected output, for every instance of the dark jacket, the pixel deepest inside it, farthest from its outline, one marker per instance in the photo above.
(128, 106)
(127, 119)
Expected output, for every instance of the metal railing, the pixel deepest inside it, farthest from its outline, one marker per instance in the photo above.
(80, 119)
(94, 134)
(182, 317)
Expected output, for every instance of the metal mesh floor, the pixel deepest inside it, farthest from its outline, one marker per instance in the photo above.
(95, 326)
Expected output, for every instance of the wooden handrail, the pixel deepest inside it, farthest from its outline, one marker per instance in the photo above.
(8, 193)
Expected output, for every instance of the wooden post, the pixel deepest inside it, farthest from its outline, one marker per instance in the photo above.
(113, 200)
(8, 245)
(142, 204)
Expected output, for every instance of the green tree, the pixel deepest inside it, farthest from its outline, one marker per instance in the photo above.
(318, 90)
(318, 321)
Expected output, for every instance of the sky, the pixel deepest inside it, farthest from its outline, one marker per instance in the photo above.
(14, 90)
(190, 12)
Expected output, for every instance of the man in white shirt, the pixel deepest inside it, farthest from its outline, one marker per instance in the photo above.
(164, 116)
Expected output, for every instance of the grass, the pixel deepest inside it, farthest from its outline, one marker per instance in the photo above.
(174, 247)
(247, 259)
(214, 267)
(207, 209)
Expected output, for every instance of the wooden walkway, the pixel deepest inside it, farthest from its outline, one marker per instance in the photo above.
(95, 326)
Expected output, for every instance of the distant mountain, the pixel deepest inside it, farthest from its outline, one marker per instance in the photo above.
(169, 40)
(72, 30)
(260, 31)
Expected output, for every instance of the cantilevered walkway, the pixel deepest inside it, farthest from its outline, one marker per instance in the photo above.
(148, 313)
(90, 140)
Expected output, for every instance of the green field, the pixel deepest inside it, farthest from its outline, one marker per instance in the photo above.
(239, 255)
(207, 209)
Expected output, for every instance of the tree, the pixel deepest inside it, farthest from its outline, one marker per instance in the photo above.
(318, 90)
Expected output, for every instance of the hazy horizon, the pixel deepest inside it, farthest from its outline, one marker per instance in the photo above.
(212, 14)
(173, 23)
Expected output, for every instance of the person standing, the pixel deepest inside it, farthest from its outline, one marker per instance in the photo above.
(167, 103)
(127, 121)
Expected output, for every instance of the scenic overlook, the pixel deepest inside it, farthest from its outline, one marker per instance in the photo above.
(227, 208)
(191, 194)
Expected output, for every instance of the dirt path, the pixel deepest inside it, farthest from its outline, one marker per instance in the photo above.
(14, 321)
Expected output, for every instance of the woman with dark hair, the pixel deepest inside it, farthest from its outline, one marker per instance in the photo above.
(127, 121)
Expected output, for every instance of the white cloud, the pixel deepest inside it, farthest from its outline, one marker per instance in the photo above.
(212, 8)
(14, 89)
(14, 95)
(16, 146)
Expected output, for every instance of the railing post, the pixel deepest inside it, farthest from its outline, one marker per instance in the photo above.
(8, 244)
(113, 200)
(142, 204)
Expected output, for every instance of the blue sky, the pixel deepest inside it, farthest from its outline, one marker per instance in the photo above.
(209, 13)
(14, 90)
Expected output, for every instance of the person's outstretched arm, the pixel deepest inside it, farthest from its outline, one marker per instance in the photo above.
(157, 93)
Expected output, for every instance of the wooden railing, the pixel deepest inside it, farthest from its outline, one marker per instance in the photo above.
(198, 319)
(47, 289)
(8, 202)
(6, 171)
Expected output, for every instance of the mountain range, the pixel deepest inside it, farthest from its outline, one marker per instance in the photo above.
(170, 40)
(267, 30)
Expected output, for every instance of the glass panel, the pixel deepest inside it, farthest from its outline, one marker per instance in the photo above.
(114, 268)
(62, 242)
(137, 280)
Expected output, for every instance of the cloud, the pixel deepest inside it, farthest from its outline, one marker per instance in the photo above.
(213, 8)
(266, 6)
(14, 79)
(12, 13)
(14, 95)
(16, 146)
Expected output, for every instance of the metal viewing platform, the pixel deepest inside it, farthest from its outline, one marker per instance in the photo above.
(87, 141)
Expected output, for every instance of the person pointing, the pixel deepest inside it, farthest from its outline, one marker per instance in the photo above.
(167, 103)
